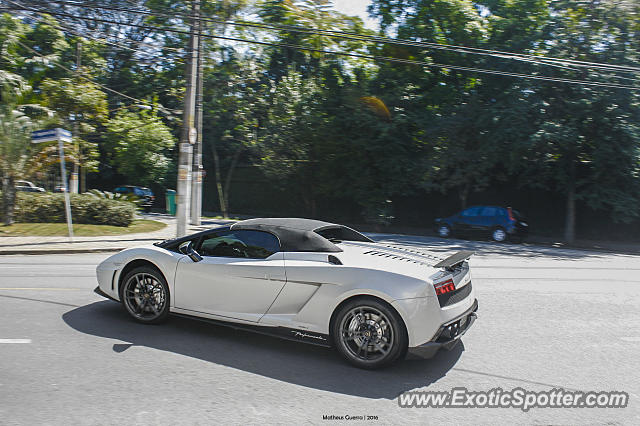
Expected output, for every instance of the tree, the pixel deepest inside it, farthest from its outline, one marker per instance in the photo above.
(32, 51)
(586, 139)
(139, 145)
(290, 135)
(82, 106)
(234, 102)
(312, 14)
(16, 149)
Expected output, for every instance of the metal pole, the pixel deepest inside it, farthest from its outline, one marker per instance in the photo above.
(67, 201)
(196, 181)
(73, 184)
(189, 132)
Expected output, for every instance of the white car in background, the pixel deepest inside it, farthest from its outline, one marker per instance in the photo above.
(26, 186)
(301, 279)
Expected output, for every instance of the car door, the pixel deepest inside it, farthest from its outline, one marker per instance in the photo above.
(489, 218)
(467, 219)
(239, 276)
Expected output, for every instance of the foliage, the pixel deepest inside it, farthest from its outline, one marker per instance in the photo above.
(139, 145)
(130, 198)
(85, 209)
(82, 105)
(327, 130)
(16, 150)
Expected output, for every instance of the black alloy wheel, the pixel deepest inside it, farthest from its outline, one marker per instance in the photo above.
(145, 295)
(369, 333)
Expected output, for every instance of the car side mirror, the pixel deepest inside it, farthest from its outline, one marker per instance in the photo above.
(187, 248)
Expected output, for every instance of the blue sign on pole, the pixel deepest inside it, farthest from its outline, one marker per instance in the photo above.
(51, 135)
(60, 135)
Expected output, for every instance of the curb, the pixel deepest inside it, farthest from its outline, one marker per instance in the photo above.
(61, 251)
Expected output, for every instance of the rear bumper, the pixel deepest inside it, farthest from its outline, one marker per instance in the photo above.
(448, 334)
(518, 230)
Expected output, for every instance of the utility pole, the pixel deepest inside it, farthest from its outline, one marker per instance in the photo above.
(76, 128)
(189, 132)
(196, 182)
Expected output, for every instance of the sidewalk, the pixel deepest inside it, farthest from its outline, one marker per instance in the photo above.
(111, 243)
(61, 244)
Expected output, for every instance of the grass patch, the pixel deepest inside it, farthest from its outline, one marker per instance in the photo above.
(53, 229)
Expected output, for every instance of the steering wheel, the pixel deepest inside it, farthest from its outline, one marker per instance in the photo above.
(239, 250)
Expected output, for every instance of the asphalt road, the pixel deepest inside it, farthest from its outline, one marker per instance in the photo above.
(548, 318)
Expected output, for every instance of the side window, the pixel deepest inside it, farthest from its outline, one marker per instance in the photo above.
(242, 243)
(471, 211)
(489, 211)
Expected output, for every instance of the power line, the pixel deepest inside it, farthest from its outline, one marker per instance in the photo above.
(363, 56)
(374, 57)
(62, 27)
(536, 62)
(80, 74)
(532, 59)
(537, 59)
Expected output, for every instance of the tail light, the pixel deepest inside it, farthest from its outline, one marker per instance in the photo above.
(511, 214)
(444, 287)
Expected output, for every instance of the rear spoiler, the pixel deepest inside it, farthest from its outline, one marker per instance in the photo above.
(454, 260)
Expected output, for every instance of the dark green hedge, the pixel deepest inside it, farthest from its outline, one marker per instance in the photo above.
(86, 209)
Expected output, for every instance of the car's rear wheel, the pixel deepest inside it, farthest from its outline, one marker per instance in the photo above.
(444, 231)
(369, 334)
(499, 235)
(145, 295)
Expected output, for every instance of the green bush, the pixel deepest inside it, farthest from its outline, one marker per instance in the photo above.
(85, 209)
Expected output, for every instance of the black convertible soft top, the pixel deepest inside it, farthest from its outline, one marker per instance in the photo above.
(294, 234)
(302, 234)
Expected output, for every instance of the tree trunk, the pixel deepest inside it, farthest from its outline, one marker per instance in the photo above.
(464, 195)
(227, 183)
(314, 207)
(310, 204)
(83, 179)
(8, 199)
(216, 166)
(570, 220)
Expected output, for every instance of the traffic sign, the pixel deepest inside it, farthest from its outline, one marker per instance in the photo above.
(60, 135)
(51, 135)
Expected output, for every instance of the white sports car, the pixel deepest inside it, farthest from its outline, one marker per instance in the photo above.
(301, 279)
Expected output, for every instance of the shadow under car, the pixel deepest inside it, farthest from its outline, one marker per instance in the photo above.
(292, 362)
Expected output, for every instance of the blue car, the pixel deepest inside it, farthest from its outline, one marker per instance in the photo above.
(143, 193)
(497, 223)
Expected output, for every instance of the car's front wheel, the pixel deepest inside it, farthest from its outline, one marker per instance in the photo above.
(145, 295)
(444, 231)
(369, 333)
